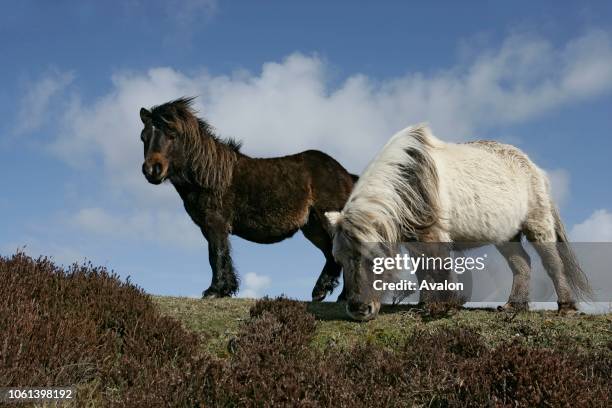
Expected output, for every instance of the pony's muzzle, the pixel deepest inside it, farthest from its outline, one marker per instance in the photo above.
(154, 172)
(362, 311)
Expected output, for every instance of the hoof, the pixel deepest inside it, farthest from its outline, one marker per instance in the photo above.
(213, 294)
(209, 295)
(514, 307)
(318, 297)
(567, 308)
(320, 292)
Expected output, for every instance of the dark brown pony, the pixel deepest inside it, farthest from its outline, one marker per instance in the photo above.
(226, 192)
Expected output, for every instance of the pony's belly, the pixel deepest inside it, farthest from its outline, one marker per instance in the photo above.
(263, 236)
(268, 225)
(484, 238)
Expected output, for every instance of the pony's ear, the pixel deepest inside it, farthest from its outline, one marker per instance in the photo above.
(145, 115)
(332, 221)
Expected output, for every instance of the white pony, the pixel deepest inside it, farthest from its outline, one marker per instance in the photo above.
(421, 189)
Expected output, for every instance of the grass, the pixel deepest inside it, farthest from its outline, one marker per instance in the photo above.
(217, 322)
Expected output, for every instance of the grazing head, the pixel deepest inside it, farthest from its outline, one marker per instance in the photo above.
(355, 256)
(180, 146)
(394, 201)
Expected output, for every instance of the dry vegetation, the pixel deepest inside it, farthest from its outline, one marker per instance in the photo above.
(123, 348)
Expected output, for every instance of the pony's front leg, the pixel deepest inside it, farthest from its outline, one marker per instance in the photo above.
(224, 280)
(434, 272)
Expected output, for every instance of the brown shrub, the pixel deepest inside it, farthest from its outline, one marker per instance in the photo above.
(65, 327)
(272, 364)
(281, 324)
(516, 375)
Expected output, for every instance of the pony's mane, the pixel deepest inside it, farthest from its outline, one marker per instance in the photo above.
(210, 158)
(396, 199)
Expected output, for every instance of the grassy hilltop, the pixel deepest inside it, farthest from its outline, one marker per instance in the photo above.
(119, 346)
(218, 321)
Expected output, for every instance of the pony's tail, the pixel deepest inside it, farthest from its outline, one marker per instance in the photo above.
(576, 277)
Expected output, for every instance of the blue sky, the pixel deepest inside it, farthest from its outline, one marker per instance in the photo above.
(283, 77)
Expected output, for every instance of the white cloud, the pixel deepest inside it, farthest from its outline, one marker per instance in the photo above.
(596, 228)
(290, 106)
(159, 226)
(559, 185)
(34, 105)
(253, 284)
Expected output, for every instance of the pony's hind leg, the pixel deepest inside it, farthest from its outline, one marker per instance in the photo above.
(328, 280)
(520, 264)
(541, 233)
